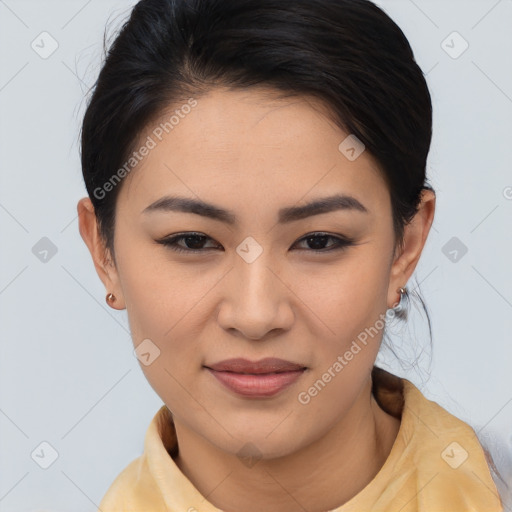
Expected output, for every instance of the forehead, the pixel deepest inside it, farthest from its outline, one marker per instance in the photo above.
(239, 145)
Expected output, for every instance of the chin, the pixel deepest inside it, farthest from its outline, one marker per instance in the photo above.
(255, 443)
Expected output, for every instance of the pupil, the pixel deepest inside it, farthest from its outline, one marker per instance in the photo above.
(318, 241)
(195, 238)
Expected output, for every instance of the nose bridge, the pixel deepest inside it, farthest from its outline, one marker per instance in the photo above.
(253, 304)
(257, 287)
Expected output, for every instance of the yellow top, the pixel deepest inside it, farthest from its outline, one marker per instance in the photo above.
(436, 464)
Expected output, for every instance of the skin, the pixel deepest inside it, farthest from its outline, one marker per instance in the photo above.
(251, 153)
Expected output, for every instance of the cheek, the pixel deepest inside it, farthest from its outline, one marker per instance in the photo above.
(346, 297)
(167, 304)
(158, 294)
(161, 305)
(352, 304)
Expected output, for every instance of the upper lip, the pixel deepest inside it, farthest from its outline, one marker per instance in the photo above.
(267, 365)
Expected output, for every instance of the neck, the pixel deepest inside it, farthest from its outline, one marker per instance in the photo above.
(319, 477)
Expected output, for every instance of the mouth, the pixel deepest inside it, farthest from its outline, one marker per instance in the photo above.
(267, 365)
(256, 379)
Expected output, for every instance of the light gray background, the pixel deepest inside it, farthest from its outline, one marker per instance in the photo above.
(68, 375)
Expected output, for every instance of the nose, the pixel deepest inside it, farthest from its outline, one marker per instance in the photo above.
(256, 302)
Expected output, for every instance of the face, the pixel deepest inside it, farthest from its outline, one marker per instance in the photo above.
(256, 275)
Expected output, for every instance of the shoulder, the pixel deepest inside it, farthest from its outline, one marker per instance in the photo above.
(436, 455)
(133, 490)
(136, 487)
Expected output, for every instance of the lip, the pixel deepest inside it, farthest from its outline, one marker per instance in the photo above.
(267, 365)
(262, 378)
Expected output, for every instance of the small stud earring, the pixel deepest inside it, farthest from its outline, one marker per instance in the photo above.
(401, 291)
(110, 298)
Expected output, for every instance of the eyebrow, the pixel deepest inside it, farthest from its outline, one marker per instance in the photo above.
(285, 215)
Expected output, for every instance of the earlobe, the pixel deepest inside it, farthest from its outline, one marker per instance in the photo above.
(88, 227)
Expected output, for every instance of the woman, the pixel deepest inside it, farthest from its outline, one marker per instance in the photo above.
(258, 202)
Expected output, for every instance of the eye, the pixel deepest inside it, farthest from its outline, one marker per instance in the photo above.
(319, 241)
(194, 242)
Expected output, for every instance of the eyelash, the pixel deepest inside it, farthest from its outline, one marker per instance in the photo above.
(341, 243)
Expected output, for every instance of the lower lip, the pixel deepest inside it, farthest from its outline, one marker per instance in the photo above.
(253, 385)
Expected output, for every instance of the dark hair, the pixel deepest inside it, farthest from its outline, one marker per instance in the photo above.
(347, 53)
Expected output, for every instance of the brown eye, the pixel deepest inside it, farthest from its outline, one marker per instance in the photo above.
(317, 242)
(192, 242)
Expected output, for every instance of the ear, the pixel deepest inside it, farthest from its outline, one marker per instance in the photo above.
(415, 236)
(101, 256)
